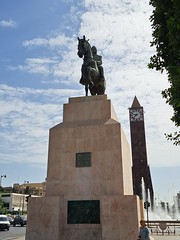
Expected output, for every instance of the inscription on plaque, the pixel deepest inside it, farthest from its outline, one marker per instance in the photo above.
(83, 159)
(84, 212)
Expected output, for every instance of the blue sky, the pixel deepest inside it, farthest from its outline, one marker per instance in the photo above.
(40, 70)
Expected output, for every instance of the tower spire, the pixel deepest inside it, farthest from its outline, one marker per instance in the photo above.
(135, 103)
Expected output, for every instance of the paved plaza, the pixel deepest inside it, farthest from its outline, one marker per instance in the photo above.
(166, 237)
(155, 237)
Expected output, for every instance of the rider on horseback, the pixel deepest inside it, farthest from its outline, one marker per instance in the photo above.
(98, 60)
(92, 71)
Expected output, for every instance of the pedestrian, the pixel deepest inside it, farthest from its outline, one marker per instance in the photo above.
(143, 231)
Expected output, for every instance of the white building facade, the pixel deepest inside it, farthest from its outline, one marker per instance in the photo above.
(15, 202)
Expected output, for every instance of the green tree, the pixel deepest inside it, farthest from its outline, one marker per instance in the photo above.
(1, 189)
(3, 210)
(165, 21)
(1, 203)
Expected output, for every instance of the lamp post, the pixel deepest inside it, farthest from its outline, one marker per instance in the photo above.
(146, 206)
(1, 179)
(24, 192)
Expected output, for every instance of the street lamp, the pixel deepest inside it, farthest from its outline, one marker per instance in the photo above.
(1, 179)
(26, 187)
(146, 206)
(25, 191)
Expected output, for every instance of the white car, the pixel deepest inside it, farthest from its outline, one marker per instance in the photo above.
(4, 223)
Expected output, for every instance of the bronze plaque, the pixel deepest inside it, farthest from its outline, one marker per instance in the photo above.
(84, 212)
(83, 159)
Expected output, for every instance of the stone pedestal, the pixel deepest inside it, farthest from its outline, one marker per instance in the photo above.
(89, 193)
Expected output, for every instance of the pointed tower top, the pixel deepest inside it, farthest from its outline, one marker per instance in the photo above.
(135, 103)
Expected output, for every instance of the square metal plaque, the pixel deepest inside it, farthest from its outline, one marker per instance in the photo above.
(83, 159)
(84, 212)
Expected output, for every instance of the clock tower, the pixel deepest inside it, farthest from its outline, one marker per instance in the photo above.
(140, 168)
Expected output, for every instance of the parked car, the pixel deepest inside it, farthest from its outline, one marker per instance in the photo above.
(4, 223)
(19, 220)
(11, 220)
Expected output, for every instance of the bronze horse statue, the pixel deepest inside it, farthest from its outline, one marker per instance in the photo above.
(90, 72)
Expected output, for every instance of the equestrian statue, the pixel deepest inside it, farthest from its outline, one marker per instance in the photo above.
(92, 71)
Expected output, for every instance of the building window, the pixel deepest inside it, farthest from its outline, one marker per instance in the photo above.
(6, 205)
(5, 195)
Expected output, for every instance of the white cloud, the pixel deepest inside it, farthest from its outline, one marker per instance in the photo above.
(53, 42)
(36, 65)
(8, 23)
(25, 123)
(115, 6)
(121, 32)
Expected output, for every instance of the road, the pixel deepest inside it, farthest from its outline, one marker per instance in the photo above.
(14, 233)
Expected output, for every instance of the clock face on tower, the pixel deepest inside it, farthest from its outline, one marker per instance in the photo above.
(136, 114)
